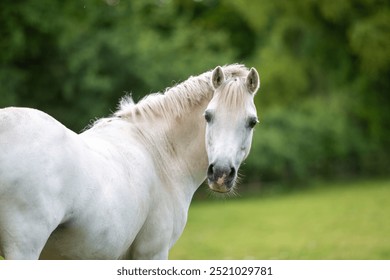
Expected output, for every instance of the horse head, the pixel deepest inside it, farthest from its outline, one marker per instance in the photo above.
(230, 116)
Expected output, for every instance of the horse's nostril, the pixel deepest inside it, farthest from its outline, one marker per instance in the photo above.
(210, 171)
(216, 172)
(232, 173)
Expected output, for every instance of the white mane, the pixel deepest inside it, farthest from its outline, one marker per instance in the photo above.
(177, 100)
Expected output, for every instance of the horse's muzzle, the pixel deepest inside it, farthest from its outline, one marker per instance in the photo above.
(221, 178)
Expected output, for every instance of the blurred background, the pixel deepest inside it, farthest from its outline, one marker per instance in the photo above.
(324, 67)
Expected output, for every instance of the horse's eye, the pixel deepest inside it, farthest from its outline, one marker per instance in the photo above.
(252, 122)
(208, 116)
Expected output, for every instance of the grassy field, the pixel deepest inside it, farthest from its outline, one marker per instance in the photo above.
(332, 221)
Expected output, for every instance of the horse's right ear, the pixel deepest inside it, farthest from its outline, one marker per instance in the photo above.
(217, 77)
(253, 81)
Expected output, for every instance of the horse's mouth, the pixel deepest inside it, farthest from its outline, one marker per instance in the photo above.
(221, 187)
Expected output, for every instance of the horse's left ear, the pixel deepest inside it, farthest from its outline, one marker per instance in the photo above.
(253, 81)
(217, 77)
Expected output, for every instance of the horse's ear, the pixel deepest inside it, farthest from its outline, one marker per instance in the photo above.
(217, 77)
(253, 81)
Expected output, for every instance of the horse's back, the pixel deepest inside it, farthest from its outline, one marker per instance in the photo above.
(13, 118)
(24, 125)
(75, 189)
(29, 140)
(32, 144)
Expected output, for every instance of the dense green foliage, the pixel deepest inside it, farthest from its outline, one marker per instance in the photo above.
(324, 67)
(327, 221)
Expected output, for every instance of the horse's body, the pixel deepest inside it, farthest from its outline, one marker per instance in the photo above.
(122, 188)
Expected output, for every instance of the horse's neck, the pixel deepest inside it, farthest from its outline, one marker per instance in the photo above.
(177, 147)
(187, 135)
(176, 144)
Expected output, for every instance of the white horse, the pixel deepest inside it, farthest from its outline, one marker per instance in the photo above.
(122, 188)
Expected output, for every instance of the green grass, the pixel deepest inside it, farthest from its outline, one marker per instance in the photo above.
(332, 221)
(328, 221)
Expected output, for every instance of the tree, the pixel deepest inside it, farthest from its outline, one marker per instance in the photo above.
(74, 60)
